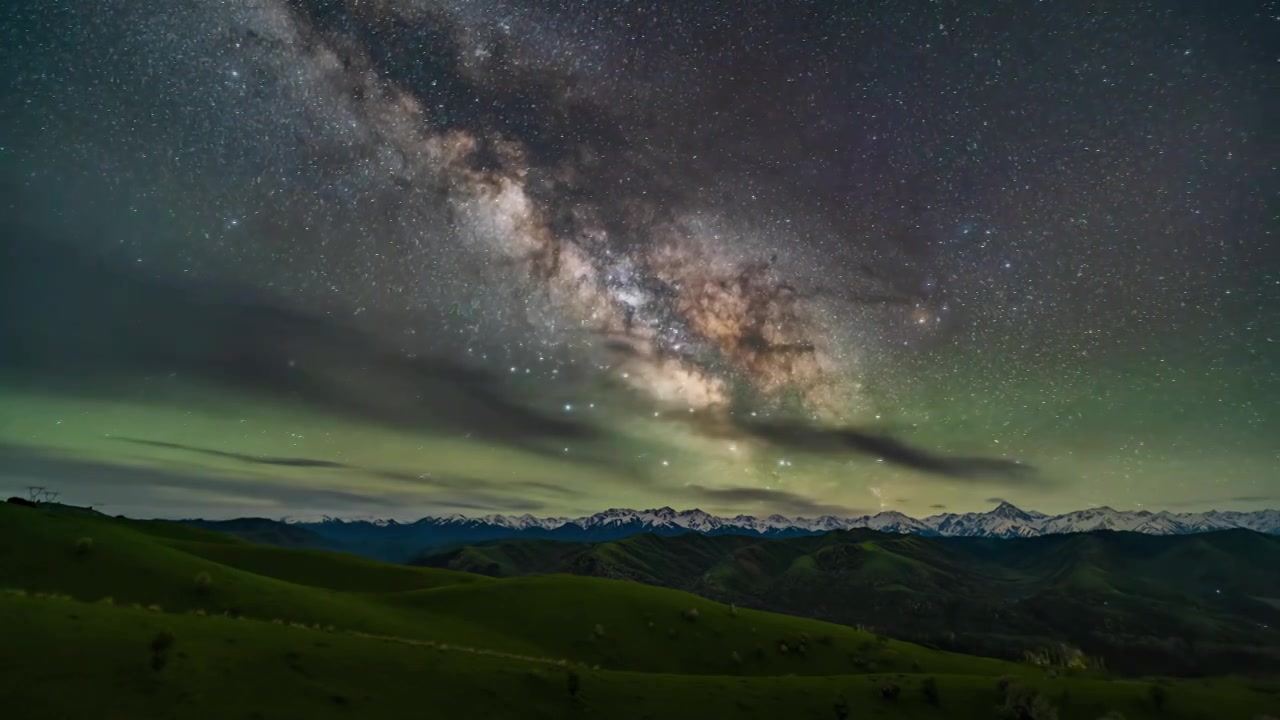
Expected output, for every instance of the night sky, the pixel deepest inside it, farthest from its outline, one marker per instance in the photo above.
(407, 257)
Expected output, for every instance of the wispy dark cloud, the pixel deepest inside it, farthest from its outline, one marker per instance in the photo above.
(1208, 503)
(849, 440)
(254, 459)
(193, 491)
(798, 436)
(512, 505)
(435, 479)
(779, 501)
(79, 322)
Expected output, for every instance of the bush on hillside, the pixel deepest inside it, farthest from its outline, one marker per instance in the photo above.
(1002, 685)
(841, 708)
(84, 546)
(890, 691)
(203, 582)
(160, 646)
(1026, 703)
(1159, 696)
(574, 683)
(691, 614)
(929, 688)
(598, 630)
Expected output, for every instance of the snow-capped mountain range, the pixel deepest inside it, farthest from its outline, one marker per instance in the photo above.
(1005, 521)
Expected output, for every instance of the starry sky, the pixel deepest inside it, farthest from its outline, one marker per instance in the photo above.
(408, 257)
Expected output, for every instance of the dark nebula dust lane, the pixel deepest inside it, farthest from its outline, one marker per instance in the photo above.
(852, 256)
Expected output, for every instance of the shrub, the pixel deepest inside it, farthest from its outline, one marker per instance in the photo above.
(841, 708)
(782, 648)
(1002, 685)
(1024, 703)
(735, 658)
(84, 546)
(1159, 696)
(890, 691)
(160, 646)
(574, 683)
(598, 630)
(691, 614)
(929, 687)
(203, 582)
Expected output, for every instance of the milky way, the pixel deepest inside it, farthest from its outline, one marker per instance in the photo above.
(873, 257)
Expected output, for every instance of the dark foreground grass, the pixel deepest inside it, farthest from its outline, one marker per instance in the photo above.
(449, 645)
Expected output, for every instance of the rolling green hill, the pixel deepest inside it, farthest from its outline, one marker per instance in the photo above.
(115, 618)
(1190, 605)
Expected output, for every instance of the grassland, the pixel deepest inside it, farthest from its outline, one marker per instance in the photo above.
(261, 632)
(1186, 605)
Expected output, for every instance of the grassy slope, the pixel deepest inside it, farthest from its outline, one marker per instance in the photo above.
(1100, 591)
(82, 660)
(557, 616)
(283, 671)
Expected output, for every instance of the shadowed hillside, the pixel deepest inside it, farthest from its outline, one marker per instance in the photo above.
(1197, 604)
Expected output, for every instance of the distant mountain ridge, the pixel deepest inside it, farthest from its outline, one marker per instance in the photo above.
(1005, 521)
(395, 541)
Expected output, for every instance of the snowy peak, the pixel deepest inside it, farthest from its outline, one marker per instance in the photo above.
(1009, 511)
(1004, 521)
